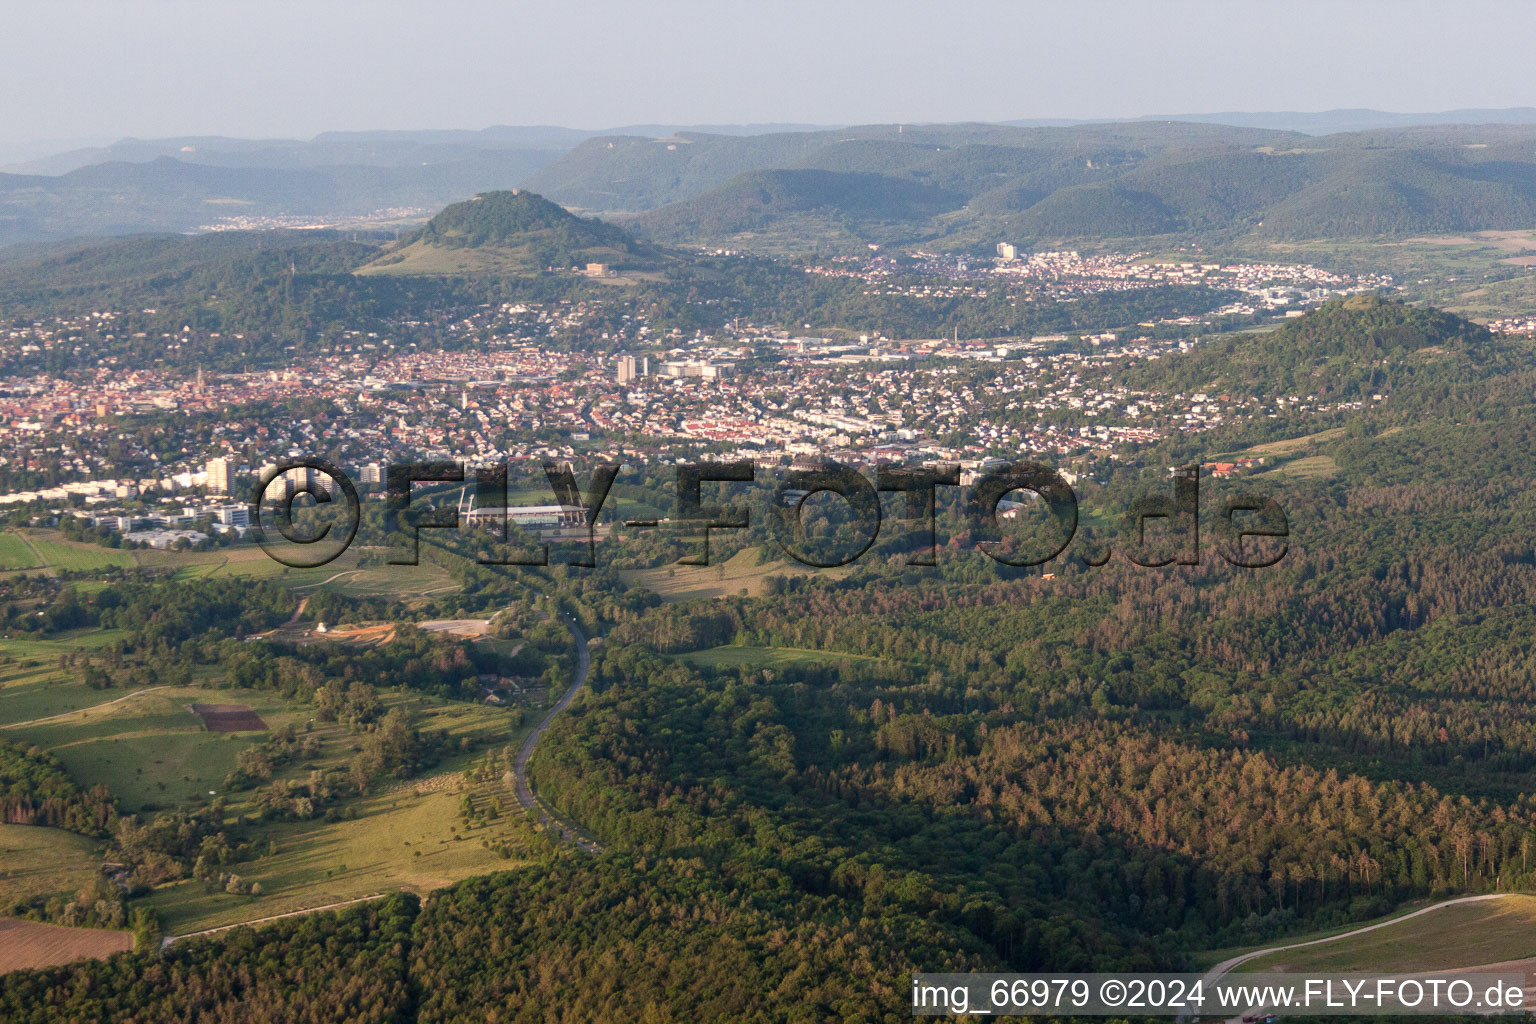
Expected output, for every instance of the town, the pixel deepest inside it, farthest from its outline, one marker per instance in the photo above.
(148, 452)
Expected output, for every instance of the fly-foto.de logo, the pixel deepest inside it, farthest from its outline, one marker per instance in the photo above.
(1238, 520)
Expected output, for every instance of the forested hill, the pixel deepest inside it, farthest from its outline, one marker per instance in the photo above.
(799, 205)
(252, 298)
(506, 218)
(1345, 350)
(963, 182)
(1085, 182)
(634, 173)
(95, 274)
(508, 232)
(244, 295)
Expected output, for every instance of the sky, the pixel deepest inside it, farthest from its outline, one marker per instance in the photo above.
(74, 70)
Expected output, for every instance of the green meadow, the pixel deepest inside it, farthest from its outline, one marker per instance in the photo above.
(37, 861)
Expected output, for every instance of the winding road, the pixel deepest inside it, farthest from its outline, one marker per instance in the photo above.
(521, 786)
(524, 791)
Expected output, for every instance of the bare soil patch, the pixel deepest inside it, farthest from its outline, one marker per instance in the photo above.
(229, 718)
(30, 944)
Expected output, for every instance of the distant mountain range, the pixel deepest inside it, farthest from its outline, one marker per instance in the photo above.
(1330, 122)
(963, 186)
(368, 148)
(1284, 175)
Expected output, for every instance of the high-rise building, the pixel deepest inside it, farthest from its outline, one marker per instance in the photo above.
(626, 369)
(220, 476)
(299, 479)
(1007, 250)
(288, 483)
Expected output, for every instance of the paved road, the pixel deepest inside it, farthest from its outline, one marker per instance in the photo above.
(171, 940)
(524, 791)
(521, 786)
(525, 794)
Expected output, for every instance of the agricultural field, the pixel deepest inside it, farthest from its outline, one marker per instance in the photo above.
(403, 581)
(343, 574)
(1308, 467)
(54, 552)
(245, 562)
(15, 553)
(1289, 446)
(37, 861)
(29, 944)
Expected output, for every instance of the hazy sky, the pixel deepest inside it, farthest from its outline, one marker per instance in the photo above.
(72, 69)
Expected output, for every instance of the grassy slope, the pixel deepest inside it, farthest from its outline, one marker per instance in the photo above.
(57, 553)
(410, 838)
(33, 686)
(736, 574)
(149, 749)
(731, 656)
(15, 553)
(1466, 935)
(44, 861)
(151, 752)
